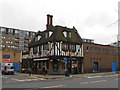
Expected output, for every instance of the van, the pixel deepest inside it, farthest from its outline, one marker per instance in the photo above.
(7, 68)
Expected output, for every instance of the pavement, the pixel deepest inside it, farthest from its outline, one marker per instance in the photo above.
(71, 76)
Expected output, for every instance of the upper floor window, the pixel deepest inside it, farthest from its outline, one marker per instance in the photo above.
(34, 50)
(91, 49)
(87, 48)
(11, 31)
(64, 47)
(46, 47)
(16, 31)
(39, 37)
(69, 34)
(72, 47)
(27, 33)
(50, 33)
(46, 35)
(3, 29)
(33, 34)
(65, 34)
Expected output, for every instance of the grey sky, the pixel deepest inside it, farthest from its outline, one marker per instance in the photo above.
(90, 17)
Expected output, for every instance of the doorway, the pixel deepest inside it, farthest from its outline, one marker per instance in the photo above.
(95, 66)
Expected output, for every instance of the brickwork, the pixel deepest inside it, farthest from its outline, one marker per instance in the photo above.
(103, 54)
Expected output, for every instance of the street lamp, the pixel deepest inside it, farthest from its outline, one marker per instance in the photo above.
(118, 48)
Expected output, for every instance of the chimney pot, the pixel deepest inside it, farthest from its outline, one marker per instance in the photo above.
(49, 20)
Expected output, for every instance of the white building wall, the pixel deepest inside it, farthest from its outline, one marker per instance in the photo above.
(41, 50)
(82, 52)
(60, 48)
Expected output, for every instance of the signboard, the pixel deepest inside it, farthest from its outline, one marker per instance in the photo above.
(65, 60)
(41, 59)
(7, 60)
(6, 56)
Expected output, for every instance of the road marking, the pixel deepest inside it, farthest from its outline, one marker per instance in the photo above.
(54, 86)
(23, 80)
(34, 79)
(20, 80)
(84, 83)
(42, 79)
(28, 80)
(4, 77)
(94, 77)
(117, 78)
(110, 75)
(98, 81)
(14, 79)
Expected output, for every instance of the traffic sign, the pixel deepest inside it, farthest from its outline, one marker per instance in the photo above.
(7, 60)
(65, 60)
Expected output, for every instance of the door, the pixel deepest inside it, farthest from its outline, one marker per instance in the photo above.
(95, 66)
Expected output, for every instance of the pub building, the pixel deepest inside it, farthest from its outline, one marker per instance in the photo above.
(58, 48)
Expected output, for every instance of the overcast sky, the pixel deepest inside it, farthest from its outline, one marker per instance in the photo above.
(94, 19)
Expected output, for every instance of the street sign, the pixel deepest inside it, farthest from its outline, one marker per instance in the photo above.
(65, 60)
(7, 60)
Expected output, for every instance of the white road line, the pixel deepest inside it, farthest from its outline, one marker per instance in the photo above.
(117, 78)
(110, 75)
(20, 80)
(84, 83)
(42, 79)
(94, 77)
(54, 86)
(4, 77)
(14, 79)
(34, 79)
(98, 81)
(28, 80)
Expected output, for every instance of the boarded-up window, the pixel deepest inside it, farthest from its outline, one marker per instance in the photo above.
(35, 50)
(45, 47)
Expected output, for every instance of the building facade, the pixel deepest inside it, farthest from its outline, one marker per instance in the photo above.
(58, 48)
(13, 42)
(98, 57)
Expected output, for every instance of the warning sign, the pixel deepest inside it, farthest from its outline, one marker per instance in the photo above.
(7, 60)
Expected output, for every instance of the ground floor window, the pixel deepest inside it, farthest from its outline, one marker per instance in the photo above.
(55, 65)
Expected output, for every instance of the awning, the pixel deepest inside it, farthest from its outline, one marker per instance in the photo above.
(41, 59)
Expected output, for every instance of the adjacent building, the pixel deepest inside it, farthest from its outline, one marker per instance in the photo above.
(98, 57)
(12, 43)
(58, 48)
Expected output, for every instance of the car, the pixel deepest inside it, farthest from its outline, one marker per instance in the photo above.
(8, 68)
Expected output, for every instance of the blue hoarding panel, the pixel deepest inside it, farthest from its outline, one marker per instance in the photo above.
(16, 66)
(113, 66)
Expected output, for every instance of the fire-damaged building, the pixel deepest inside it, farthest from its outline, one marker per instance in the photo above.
(58, 48)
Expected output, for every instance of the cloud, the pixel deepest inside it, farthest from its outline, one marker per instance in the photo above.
(90, 17)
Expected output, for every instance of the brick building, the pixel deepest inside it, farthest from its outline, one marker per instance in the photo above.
(98, 57)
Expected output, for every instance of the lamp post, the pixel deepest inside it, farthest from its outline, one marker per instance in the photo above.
(118, 48)
(66, 62)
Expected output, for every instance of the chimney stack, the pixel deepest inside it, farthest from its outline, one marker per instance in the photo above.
(49, 21)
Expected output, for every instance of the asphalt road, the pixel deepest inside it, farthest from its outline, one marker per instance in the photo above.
(24, 81)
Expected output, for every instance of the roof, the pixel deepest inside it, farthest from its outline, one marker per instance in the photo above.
(57, 35)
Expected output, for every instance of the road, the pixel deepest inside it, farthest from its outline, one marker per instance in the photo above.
(24, 81)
